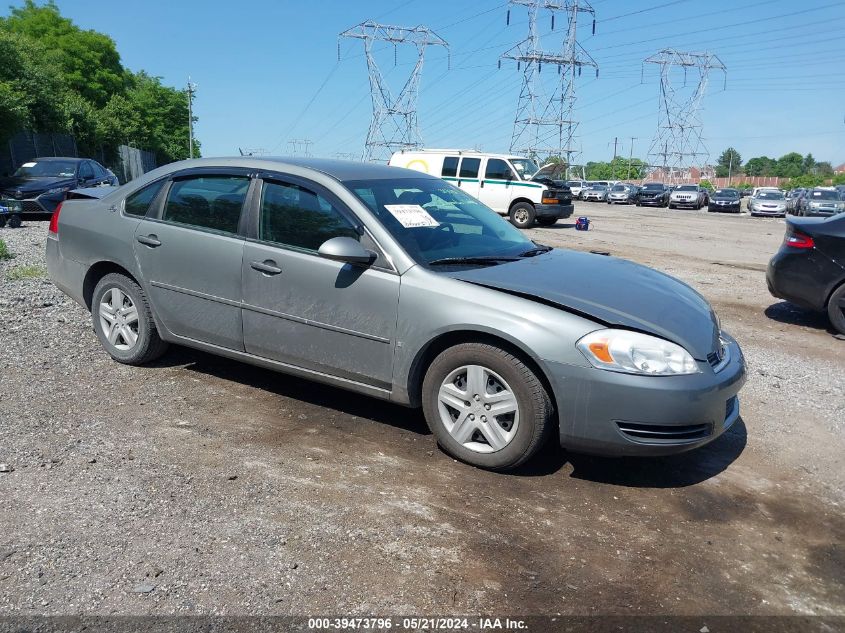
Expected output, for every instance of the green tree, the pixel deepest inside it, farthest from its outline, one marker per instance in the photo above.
(824, 169)
(729, 163)
(790, 165)
(808, 164)
(760, 166)
(89, 60)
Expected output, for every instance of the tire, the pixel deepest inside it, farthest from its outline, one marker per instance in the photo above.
(522, 215)
(147, 345)
(836, 309)
(15, 222)
(546, 221)
(520, 433)
(2, 221)
(671, 206)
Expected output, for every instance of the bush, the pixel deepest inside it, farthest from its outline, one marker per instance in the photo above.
(4, 251)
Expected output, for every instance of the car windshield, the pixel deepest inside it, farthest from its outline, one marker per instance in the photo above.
(433, 220)
(598, 188)
(619, 188)
(726, 193)
(770, 195)
(824, 195)
(574, 183)
(653, 187)
(686, 188)
(47, 169)
(524, 167)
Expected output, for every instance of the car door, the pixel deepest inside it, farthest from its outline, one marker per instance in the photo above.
(190, 252)
(468, 175)
(497, 185)
(301, 309)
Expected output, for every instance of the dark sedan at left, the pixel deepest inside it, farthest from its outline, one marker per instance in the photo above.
(39, 185)
(809, 268)
(724, 200)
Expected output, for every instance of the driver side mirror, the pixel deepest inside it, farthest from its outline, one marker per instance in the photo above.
(346, 249)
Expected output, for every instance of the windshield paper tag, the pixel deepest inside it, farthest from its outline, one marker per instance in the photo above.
(28, 165)
(411, 216)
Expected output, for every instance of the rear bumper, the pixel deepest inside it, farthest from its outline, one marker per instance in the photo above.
(558, 211)
(67, 274)
(609, 413)
(802, 278)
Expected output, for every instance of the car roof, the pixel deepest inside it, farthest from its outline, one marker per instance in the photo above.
(48, 159)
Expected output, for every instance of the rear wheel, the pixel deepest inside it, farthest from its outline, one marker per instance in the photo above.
(522, 215)
(836, 309)
(123, 321)
(485, 406)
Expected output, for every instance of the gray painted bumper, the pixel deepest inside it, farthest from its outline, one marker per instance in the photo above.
(593, 403)
(65, 273)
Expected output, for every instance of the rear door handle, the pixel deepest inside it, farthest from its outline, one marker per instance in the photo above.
(149, 240)
(268, 267)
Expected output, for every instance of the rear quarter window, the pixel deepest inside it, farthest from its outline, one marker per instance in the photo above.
(139, 202)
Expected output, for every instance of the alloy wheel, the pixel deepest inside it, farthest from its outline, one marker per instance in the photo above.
(478, 408)
(119, 319)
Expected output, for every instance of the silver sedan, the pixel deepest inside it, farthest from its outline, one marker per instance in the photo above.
(399, 286)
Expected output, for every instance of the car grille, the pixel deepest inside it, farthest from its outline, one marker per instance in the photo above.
(664, 434)
(31, 206)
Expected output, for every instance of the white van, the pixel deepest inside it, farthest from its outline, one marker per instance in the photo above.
(510, 185)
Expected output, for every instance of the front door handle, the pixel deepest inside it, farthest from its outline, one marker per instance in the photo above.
(268, 267)
(149, 240)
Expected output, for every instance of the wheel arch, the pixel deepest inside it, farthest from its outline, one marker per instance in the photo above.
(833, 288)
(96, 273)
(516, 201)
(426, 355)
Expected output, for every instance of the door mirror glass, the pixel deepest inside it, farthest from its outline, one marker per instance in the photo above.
(346, 249)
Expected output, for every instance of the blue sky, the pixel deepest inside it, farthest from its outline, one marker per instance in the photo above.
(267, 70)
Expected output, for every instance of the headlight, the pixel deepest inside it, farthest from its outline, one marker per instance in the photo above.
(635, 353)
(57, 190)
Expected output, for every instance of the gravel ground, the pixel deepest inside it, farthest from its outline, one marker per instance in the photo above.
(199, 485)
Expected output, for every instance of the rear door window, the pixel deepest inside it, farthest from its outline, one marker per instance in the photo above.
(469, 167)
(450, 167)
(207, 202)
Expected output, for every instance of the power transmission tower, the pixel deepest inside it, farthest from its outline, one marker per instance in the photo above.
(678, 143)
(545, 123)
(394, 122)
(297, 144)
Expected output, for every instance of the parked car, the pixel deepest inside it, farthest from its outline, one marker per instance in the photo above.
(725, 200)
(821, 202)
(510, 185)
(39, 185)
(498, 339)
(622, 194)
(595, 193)
(688, 196)
(767, 202)
(792, 200)
(577, 187)
(653, 194)
(809, 268)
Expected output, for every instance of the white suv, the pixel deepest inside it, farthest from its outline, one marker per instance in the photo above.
(689, 196)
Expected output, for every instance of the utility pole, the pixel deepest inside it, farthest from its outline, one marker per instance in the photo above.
(192, 88)
(730, 166)
(615, 144)
(631, 157)
(545, 121)
(394, 122)
(679, 126)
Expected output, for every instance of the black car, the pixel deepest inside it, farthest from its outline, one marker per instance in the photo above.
(724, 200)
(39, 185)
(653, 194)
(809, 268)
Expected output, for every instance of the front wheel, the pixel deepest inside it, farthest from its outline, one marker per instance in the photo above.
(522, 215)
(123, 321)
(15, 222)
(485, 406)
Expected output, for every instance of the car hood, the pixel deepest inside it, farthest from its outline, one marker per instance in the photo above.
(613, 291)
(33, 185)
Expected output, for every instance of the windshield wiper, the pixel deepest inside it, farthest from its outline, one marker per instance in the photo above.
(485, 260)
(531, 252)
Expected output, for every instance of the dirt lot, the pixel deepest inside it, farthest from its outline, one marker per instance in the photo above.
(200, 485)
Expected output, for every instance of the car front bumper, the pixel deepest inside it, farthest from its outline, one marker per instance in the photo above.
(38, 205)
(652, 202)
(734, 208)
(692, 204)
(559, 211)
(610, 413)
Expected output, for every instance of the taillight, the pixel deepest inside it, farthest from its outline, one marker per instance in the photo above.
(796, 239)
(54, 220)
